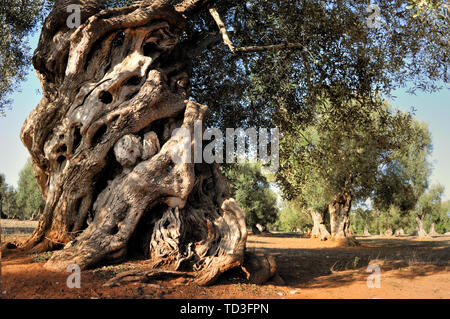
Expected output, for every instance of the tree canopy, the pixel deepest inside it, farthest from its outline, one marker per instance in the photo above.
(18, 19)
(286, 53)
(293, 217)
(324, 50)
(29, 197)
(24, 202)
(251, 190)
(337, 160)
(404, 178)
(337, 154)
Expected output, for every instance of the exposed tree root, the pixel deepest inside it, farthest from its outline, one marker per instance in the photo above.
(260, 269)
(144, 276)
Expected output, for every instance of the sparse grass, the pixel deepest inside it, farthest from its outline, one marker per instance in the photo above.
(43, 257)
(355, 262)
(117, 269)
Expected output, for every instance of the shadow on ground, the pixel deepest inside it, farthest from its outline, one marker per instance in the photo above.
(301, 266)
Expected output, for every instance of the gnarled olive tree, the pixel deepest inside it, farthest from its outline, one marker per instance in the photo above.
(114, 90)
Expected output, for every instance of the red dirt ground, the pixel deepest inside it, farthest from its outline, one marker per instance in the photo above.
(410, 268)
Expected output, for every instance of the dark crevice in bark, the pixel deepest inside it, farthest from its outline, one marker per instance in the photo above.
(133, 81)
(105, 97)
(111, 169)
(76, 139)
(94, 50)
(131, 96)
(150, 49)
(78, 204)
(101, 131)
(118, 39)
(61, 159)
(139, 243)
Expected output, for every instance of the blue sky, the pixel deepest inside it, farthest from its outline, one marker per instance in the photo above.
(431, 108)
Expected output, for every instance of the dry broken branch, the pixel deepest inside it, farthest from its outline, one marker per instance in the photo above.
(251, 49)
(222, 29)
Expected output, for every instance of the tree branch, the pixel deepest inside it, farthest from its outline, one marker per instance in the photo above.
(270, 47)
(250, 49)
(222, 29)
(188, 6)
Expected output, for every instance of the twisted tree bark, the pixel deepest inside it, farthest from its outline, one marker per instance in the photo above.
(340, 219)
(319, 229)
(433, 231)
(421, 232)
(114, 90)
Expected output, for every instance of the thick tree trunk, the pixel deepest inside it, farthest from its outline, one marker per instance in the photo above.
(103, 151)
(340, 219)
(421, 233)
(319, 229)
(339, 216)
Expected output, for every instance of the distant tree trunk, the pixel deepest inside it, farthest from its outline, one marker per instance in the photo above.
(339, 216)
(2, 215)
(421, 233)
(432, 231)
(366, 231)
(1, 249)
(319, 229)
(262, 228)
(103, 151)
(37, 214)
(339, 211)
(255, 230)
(308, 232)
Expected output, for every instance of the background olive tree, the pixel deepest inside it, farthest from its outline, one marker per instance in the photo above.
(29, 197)
(25, 202)
(252, 191)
